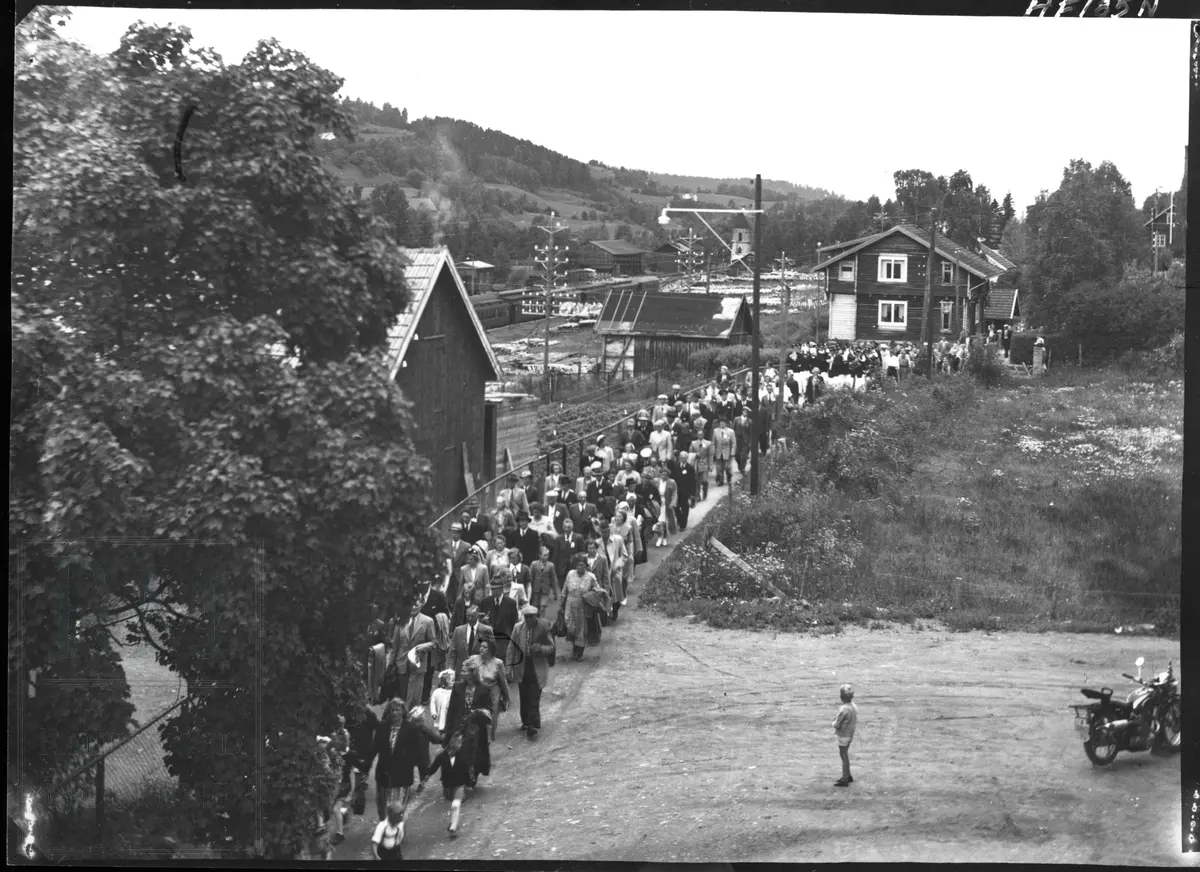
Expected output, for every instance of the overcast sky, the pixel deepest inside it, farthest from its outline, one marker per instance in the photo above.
(832, 101)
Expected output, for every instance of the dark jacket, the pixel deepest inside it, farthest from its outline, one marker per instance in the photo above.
(500, 613)
(685, 480)
(395, 764)
(528, 543)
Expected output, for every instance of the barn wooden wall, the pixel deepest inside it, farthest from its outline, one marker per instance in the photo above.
(445, 377)
(516, 429)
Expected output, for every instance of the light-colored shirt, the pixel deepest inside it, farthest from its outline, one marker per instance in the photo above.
(439, 706)
(846, 721)
(388, 836)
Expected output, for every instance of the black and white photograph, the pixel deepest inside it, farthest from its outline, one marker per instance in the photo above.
(547, 436)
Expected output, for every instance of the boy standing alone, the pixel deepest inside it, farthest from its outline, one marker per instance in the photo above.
(843, 727)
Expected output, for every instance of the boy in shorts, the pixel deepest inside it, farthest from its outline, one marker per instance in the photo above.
(843, 727)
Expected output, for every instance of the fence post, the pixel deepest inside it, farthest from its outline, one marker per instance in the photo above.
(1081, 355)
(100, 801)
(564, 460)
(656, 384)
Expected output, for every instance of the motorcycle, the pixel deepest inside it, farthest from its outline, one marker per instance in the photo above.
(1149, 718)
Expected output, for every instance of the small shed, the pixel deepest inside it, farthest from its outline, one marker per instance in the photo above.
(439, 355)
(476, 275)
(1001, 307)
(645, 331)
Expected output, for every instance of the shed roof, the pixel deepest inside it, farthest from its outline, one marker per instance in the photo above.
(692, 316)
(475, 264)
(425, 267)
(947, 248)
(618, 246)
(1001, 304)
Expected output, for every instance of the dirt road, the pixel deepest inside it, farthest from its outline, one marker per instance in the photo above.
(684, 743)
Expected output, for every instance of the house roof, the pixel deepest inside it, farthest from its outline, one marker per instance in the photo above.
(740, 222)
(1001, 304)
(838, 246)
(996, 257)
(650, 313)
(672, 246)
(947, 248)
(1165, 213)
(618, 246)
(421, 275)
(475, 264)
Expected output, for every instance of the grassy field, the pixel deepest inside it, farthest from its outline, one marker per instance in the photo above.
(1048, 504)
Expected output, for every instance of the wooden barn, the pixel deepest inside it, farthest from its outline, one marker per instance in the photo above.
(646, 330)
(614, 256)
(876, 285)
(439, 355)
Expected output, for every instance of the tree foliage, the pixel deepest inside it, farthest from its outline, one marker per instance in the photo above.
(1086, 231)
(235, 510)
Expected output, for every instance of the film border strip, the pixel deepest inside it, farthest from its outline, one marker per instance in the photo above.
(29, 849)
(1093, 8)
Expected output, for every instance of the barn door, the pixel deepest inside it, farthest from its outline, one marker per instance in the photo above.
(842, 309)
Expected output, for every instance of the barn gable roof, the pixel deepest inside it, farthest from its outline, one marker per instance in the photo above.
(618, 246)
(947, 248)
(690, 316)
(421, 275)
(996, 257)
(1001, 304)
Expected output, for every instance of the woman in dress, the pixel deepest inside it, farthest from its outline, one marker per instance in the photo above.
(485, 674)
(579, 581)
(498, 555)
(668, 493)
(624, 526)
(598, 565)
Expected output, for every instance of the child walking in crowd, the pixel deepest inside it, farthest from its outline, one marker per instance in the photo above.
(389, 834)
(843, 727)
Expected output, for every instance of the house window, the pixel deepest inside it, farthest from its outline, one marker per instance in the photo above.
(846, 271)
(1160, 240)
(947, 273)
(893, 268)
(893, 315)
(947, 316)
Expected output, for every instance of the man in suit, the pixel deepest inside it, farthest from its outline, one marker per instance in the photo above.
(566, 493)
(464, 642)
(519, 570)
(741, 433)
(529, 490)
(475, 524)
(454, 553)
(613, 544)
(529, 656)
(581, 512)
(724, 444)
(685, 480)
(566, 547)
(660, 441)
(556, 512)
(525, 539)
(416, 634)
(702, 452)
(764, 426)
(434, 605)
(500, 612)
(675, 396)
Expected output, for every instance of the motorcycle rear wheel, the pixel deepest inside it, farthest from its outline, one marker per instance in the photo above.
(1170, 734)
(1100, 745)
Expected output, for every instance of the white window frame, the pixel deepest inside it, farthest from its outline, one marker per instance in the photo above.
(893, 324)
(1160, 240)
(845, 275)
(947, 280)
(947, 316)
(901, 259)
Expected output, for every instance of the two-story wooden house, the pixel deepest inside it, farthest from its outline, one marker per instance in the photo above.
(876, 284)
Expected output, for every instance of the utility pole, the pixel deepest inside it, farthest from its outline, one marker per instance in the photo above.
(786, 344)
(817, 317)
(687, 263)
(1154, 228)
(755, 341)
(927, 317)
(549, 262)
(708, 272)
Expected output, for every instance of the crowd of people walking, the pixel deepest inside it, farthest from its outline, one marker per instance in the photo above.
(445, 667)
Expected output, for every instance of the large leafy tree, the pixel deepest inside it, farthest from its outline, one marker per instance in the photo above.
(1086, 231)
(204, 440)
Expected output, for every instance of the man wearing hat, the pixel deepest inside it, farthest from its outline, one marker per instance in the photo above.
(455, 554)
(530, 656)
(603, 453)
(464, 641)
(500, 611)
(723, 446)
(643, 427)
(566, 547)
(525, 539)
(675, 396)
(661, 445)
(475, 523)
(741, 433)
(659, 410)
(418, 636)
(566, 493)
(527, 487)
(435, 607)
(502, 519)
(556, 513)
(514, 495)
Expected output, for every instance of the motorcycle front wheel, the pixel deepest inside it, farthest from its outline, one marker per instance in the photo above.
(1101, 745)
(1170, 733)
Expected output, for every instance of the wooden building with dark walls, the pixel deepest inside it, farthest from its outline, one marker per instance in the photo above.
(439, 355)
(876, 285)
(645, 331)
(614, 256)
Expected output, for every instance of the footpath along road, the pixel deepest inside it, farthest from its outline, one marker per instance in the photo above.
(512, 753)
(680, 742)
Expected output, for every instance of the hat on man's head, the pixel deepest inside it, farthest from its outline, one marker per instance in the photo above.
(456, 527)
(662, 396)
(674, 387)
(816, 370)
(646, 452)
(553, 495)
(643, 415)
(512, 476)
(522, 515)
(596, 467)
(529, 609)
(525, 473)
